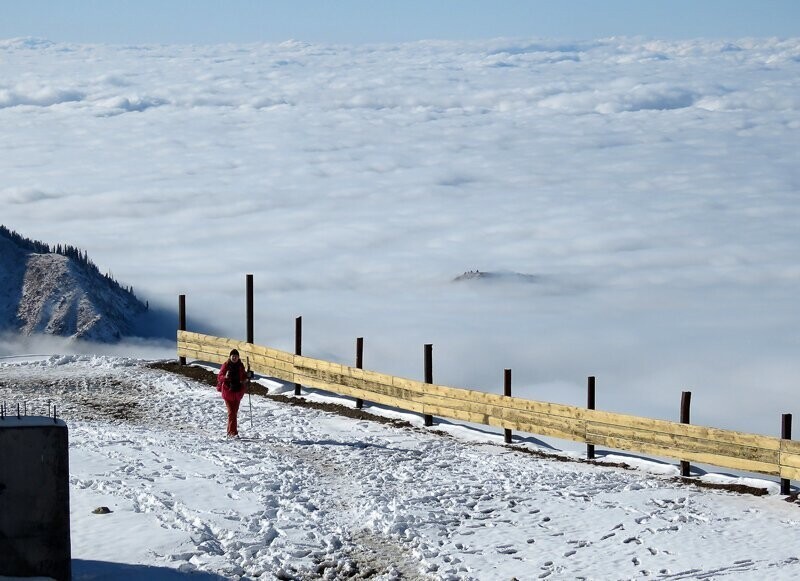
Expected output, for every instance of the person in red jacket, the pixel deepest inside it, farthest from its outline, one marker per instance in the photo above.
(232, 383)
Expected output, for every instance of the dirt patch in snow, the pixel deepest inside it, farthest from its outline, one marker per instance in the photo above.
(740, 488)
(210, 378)
(378, 556)
(79, 397)
(200, 374)
(127, 410)
(794, 498)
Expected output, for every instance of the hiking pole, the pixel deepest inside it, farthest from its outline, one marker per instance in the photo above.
(249, 399)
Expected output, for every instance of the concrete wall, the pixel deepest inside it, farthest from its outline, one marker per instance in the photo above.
(34, 498)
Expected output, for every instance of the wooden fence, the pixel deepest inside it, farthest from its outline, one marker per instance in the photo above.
(681, 441)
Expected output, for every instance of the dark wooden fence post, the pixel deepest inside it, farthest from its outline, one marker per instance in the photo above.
(786, 434)
(182, 321)
(359, 365)
(250, 309)
(507, 393)
(298, 345)
(590, 404)
(686, 401)
(428, 377)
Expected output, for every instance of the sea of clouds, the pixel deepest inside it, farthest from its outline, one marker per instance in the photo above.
(650, 188)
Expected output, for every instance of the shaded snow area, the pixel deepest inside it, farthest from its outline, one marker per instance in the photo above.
(307, 494)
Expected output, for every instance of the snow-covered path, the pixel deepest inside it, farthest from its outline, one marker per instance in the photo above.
(308, 494)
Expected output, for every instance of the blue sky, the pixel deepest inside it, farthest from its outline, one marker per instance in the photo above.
(360, 21)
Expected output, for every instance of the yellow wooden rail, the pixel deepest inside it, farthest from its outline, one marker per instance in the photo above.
(724, 448)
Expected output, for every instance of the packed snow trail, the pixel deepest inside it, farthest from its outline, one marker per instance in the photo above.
(308, 494)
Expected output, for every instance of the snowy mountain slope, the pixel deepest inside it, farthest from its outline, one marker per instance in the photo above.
(57, 294)
(12, 273)
(311, 495)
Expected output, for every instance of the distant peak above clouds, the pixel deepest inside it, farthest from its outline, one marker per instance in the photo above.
(500, 276)
(523, 283)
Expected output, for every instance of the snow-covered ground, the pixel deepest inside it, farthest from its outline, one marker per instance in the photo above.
(308, 494)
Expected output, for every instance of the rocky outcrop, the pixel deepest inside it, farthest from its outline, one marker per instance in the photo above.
(497, 276)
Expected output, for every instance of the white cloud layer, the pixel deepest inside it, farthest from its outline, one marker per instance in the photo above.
(652, 186)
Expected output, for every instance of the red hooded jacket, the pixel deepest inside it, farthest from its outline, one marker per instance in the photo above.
(223, 384)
